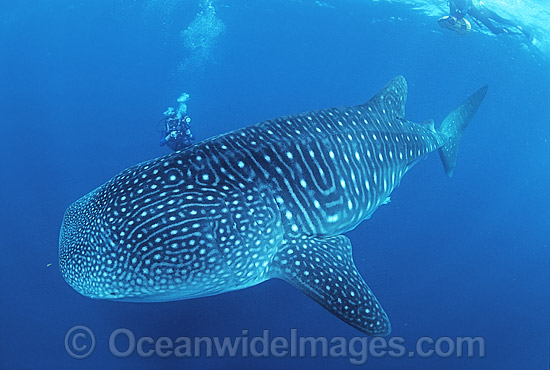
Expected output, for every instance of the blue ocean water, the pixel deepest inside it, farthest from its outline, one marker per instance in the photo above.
(83, 85)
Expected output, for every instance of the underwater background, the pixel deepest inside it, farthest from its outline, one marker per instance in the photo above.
(84, 84)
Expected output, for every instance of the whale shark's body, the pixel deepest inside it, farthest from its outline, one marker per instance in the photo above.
(267, 201)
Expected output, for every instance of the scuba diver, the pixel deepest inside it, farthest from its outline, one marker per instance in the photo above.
(457, 22)
(177, 130)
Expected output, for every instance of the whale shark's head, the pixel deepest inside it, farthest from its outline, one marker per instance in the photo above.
(146, 235)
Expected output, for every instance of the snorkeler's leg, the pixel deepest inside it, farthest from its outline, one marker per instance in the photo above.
(494, 29)
(492, 16)
(481, 15)
(497, 18)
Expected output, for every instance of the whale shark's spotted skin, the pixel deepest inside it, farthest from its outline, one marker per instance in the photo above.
(269, 200)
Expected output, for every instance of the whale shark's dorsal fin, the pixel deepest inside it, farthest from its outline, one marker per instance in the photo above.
(391, 99)
(323, 269)
(429, 124)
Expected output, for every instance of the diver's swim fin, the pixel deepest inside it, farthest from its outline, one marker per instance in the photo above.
(460, 26)
(525, 33)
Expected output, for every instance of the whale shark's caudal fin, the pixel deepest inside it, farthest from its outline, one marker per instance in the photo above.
(454, 124)
(323, 269)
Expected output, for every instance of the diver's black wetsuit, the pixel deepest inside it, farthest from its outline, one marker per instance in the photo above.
(459, 8)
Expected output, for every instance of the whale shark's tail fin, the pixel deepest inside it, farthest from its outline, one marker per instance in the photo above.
(454, 124)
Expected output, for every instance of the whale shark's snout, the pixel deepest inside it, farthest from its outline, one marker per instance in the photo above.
(83, 246)
(147, 242)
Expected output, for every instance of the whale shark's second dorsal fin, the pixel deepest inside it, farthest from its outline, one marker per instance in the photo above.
(429, 124)
(391, 99)
(323, 269)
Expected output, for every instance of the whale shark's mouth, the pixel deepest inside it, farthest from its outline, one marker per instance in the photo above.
(177, 294)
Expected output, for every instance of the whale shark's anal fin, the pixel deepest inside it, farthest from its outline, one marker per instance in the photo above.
(323, 269)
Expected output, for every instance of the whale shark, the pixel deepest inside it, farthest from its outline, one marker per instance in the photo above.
(271, 200)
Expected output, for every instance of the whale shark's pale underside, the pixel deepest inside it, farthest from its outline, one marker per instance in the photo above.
(267, 201)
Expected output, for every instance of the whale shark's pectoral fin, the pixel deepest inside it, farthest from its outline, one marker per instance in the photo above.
(323, 269)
